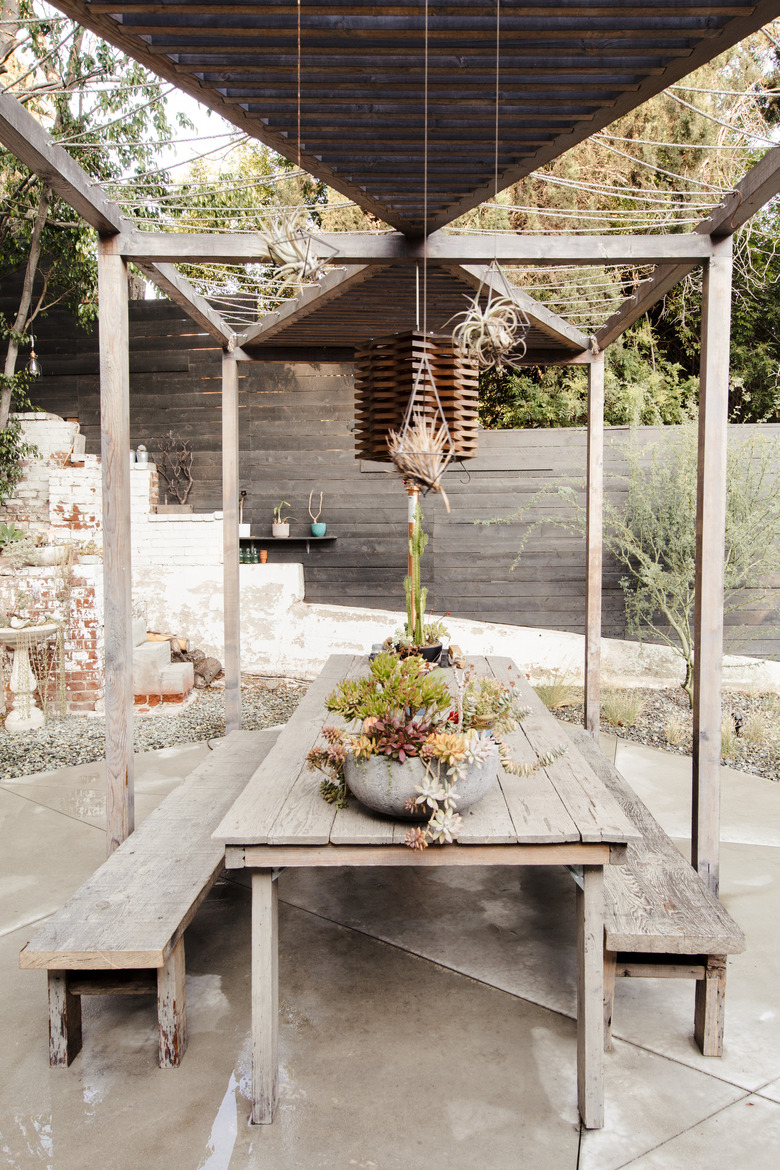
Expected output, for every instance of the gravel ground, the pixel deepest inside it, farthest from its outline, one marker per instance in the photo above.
(751, 724)
(80, 739)
(662, 721)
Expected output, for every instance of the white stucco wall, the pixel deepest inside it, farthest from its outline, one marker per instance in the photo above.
(282, 634)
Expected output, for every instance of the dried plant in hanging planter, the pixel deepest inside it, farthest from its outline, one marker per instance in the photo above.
(422, 453)
(491, 334)
(291, 248)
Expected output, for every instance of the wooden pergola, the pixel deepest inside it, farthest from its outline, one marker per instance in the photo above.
(396, 108)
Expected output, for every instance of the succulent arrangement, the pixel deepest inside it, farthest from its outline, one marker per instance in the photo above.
(404, 710)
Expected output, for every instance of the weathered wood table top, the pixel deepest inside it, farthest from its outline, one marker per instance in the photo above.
(563, 804)
(560, 815)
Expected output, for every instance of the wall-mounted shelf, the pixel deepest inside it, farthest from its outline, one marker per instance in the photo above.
(267, 541)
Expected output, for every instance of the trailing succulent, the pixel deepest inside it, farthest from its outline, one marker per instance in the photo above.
(404, 710)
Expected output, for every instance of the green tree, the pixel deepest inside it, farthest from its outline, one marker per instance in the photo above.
(641, 388)
(102, 107)
(660, 167)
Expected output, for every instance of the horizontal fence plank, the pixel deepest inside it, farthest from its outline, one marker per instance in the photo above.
(296, 435)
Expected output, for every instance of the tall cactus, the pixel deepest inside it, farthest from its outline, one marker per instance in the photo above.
(416, 596)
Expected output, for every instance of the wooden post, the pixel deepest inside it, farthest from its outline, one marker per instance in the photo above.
(172, 1008)
(117, 579)
(265, 997)
(590, 996)
(230, 568)
(594, 541)
(64, 1020)
(710, 539)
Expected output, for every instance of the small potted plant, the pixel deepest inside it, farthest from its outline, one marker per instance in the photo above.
(317, 528)
(89, 553)
(418, 751)
(280, 528)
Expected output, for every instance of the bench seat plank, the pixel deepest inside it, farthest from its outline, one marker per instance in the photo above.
(130, 916)
(657, 902)
(131, 912)
(661, 919)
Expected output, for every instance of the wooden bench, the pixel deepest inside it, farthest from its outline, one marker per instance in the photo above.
(661, 920)
(122, 931)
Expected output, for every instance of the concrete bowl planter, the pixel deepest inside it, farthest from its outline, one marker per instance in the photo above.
(384, 784)
(280, 530)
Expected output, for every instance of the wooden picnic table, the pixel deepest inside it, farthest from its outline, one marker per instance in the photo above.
(561, 815)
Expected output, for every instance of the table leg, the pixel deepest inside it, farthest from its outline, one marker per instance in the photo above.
(590, 997)
(265, 997)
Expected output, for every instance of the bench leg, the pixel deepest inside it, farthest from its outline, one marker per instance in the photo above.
(610, 975)
(710, 1011)
(172, 1008)
(64, 1021)
(265, 997)
(590, 997)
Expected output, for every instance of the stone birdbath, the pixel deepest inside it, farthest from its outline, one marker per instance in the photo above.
(24, 715)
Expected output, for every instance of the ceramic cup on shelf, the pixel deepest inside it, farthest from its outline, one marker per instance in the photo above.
(318, 529)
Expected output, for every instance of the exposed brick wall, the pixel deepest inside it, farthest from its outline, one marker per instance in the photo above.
(54, 439)
(72, 595)
(75, 501)
(62, 499)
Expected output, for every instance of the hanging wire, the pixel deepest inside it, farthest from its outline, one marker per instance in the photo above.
(720, 122)
(425, 182)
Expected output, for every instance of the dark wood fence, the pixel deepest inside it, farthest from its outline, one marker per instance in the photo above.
(297, 435)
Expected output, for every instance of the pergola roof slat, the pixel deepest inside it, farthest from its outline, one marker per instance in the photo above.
(363, 62)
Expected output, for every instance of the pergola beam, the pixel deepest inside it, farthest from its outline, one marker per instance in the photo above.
(27, 139)
(24, 136)
(440, 248)
(333, 284)
(179, 290)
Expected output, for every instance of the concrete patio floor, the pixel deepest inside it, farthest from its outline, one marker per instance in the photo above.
(427, 1018)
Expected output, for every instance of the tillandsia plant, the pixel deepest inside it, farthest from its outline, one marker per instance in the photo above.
(404, 710)
(491, 335)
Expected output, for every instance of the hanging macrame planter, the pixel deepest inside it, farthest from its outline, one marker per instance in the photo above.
(422, 449)
(415, 383)
(492, 333)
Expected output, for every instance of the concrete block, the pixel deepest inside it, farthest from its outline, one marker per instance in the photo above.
(177, 679)
(148, 661)
(139, 632)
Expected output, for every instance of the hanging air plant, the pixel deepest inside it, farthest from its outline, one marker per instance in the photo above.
(291, 248)
(491, 334)
(421, 452)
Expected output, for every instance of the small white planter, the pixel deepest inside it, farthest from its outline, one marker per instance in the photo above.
(279, 531)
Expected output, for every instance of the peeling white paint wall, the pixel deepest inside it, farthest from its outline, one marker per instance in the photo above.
(282, 634)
